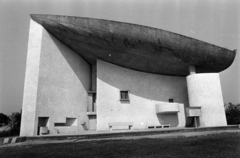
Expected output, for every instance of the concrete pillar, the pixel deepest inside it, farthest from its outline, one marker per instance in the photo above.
(192, 69)
(28, 121)
(204, 90)
(195, 122)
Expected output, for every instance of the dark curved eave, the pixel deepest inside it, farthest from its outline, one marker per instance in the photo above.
(136, 47)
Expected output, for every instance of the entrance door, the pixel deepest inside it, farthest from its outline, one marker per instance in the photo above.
(42, 122)
(92, 122)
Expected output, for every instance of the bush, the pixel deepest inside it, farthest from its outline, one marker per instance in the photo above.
(3, 119)
(5, 133)
(232, 113)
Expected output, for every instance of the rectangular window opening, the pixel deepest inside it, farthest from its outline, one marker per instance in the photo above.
(166, 126)
(94, 103)
(69, 122)
(124, 95)
(43, 121)
(170, 100)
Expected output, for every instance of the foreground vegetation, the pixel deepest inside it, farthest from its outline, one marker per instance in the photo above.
(12, 122)
(232, 113)
(218, 145)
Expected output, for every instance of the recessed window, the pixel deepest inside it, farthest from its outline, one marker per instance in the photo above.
(170, 100)
(69, 122)
(43, 121)
(124, 95)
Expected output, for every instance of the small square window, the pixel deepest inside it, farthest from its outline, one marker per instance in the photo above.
(170, 100)
(124, 95)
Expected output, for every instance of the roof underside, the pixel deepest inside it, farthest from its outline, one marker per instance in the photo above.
(136, 47)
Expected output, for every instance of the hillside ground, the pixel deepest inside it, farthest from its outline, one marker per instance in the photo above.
(215, 145)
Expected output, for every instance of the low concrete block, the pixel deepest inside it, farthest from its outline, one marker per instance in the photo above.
(14, 140)
(20, 139)
(6, 140)
(43, 130)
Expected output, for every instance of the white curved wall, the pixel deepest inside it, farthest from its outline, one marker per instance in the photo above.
(145, 91)
(204, 90)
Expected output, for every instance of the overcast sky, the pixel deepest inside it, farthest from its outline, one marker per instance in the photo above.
(213, 21)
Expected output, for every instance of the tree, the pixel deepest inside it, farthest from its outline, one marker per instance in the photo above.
(14, 123)
(3, 119)
(232, 113)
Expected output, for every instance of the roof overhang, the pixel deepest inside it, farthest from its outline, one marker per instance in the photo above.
(136, 47)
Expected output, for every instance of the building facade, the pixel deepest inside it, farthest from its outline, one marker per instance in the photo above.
(88, 74)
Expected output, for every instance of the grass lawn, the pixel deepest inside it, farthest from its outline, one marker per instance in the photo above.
(225, 145)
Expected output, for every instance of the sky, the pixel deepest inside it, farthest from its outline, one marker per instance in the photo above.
(213, 21)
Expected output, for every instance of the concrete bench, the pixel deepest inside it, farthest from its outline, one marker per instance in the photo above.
(120, 125)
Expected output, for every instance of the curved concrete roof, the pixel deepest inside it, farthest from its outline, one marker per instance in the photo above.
(136, 47)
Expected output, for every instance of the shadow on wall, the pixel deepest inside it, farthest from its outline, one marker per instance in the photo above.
(76, 67)
(171, 119)
(145, 85)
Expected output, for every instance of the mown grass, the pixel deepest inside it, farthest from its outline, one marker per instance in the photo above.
(219, 145)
